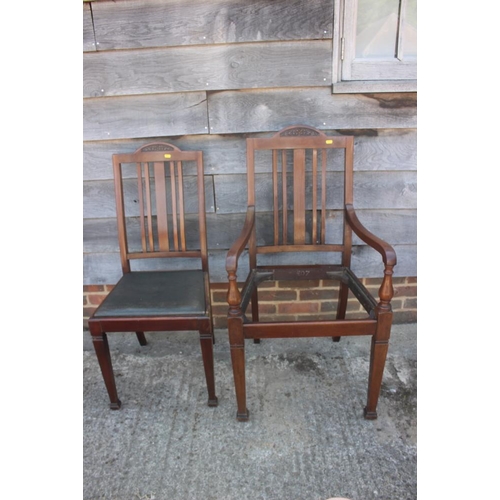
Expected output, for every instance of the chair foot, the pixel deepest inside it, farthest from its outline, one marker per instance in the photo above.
(336, 339)
(115, 406)
(370, 415)
(141, 338)
(242, 417)
(256, 341)
(213, 402)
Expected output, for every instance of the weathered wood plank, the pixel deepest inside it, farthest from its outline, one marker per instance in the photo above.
(99, 198)
(395, 226)
(88, 30)
(372, 190)
(270, 110)
(385, 149)
(104, 268)
(215, 67)
(160, 23)
(145, 116)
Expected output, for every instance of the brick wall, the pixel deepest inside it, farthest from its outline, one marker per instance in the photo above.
(293, 300)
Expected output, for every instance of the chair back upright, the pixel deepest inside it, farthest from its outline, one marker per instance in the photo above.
(160, 204)
(302, 190)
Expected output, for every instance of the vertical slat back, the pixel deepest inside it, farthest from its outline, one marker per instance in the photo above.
(299, 196)
(275, 197)
(149, 208)
(174, 206)
(140, 188)
(181, 206)
(302, 155)
(314, 196)
(284, 197)
(323, 196)
(161, 206)
(157, 211)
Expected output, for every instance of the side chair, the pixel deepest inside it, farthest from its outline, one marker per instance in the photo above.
(156, 220)
(292, 196)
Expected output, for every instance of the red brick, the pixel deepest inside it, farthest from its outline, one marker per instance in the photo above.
(298, 307)
(328, 306)
(404, 317)
(318, 294)
(219, 296)
(410, 303)
(277, 295)
(88, 311)
(298, 284)
(411, 279)
(219, 310)
(405, 291)
(96, 299)
(109, 288)
(93, 288)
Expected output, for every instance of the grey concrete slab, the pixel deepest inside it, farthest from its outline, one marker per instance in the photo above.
(306, 438)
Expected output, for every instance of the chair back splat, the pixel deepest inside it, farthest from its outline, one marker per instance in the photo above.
(160, 207)
(299, 226)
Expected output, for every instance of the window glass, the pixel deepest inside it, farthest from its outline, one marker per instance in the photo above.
(410, 29)
(376, 28)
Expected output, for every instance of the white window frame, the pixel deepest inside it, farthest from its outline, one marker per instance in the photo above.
(351, 75)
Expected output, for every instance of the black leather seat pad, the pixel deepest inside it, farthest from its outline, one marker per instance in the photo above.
(156, 293)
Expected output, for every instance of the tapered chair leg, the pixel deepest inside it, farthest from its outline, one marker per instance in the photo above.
(207, 353)
(141, 338)
(237, 344)
(101, 346)
(378, 355)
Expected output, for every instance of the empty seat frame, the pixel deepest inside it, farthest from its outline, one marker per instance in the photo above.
(294, 195)
(153, 211)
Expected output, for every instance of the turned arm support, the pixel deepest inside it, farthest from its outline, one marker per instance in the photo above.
(233, 294)
(388, 254)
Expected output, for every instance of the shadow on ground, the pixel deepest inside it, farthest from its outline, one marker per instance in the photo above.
(306, 438)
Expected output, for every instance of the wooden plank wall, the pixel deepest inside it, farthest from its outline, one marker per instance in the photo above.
(207, 75)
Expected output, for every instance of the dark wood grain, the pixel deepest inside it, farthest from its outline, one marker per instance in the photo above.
(282, 262)
(173, 312)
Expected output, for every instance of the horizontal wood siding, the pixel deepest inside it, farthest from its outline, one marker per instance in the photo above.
(160, 23)
(206, 76)
(211, 67)
(384, 150)
(399, 226)
(145, 116)
(267, 110)
(88, 29)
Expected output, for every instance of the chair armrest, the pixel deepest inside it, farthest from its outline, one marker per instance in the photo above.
(233, 294)
(387, 252)
(239, 245)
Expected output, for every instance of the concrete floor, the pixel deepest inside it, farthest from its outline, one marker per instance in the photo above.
(306, 438)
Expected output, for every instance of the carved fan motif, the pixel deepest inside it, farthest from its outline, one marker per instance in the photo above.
(296, 132)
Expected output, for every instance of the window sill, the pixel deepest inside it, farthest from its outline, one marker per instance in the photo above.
(367, 86)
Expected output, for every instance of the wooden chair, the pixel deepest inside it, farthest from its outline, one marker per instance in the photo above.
(151, 206)
(297, 159)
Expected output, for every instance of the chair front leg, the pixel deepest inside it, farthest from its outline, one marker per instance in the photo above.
(237, 345)
(207, 353)
(380, 344)
(141, 338)
(101, 346)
